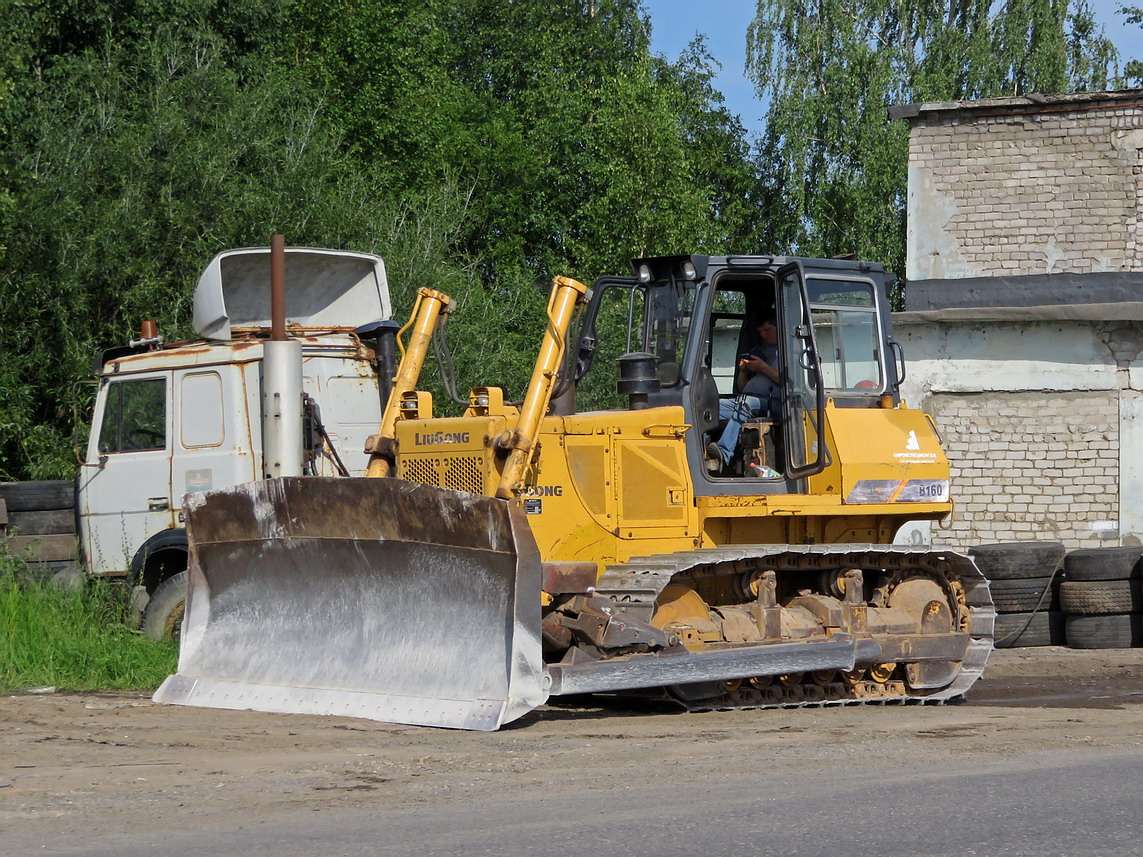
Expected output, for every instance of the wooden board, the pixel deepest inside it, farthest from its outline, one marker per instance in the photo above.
(46, 547)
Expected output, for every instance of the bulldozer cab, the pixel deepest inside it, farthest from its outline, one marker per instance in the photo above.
(695, 318)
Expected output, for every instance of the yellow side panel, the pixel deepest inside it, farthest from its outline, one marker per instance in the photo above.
(654, 490)
(879, 445)
(590, 470)
(449, 452)
(612, 485)
(570, 506)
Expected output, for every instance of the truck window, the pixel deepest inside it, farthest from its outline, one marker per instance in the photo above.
(201, 408)
(135, 417)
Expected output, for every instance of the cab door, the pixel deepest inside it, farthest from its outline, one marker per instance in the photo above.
(125, 483)
(804, 398)
(212, 442)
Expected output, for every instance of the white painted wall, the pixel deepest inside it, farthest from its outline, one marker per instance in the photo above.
(1071, 468)
(962, 356)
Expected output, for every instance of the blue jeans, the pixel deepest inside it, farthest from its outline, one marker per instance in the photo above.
(736, 411)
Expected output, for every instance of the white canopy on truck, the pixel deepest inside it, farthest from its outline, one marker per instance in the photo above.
(324, 289)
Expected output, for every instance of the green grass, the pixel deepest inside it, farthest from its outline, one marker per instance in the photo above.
(73, 640)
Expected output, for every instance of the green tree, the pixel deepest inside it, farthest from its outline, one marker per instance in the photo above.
(1133, 69)
(475, 144)
(581, 148)
(134, 166)
(830, 70)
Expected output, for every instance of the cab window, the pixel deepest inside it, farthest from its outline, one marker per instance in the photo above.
(844, 315)
(135, 416)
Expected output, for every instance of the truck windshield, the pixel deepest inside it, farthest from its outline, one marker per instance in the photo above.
(844, 314)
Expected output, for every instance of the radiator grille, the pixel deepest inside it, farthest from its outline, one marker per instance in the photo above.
(458, 473)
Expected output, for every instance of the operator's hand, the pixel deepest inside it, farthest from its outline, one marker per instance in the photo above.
(755, 365)
(751, 363)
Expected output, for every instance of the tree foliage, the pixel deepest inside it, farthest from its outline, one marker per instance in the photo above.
(832, 68)
(1133, 68)
(581, 147)
(129, 169)
(475, 144)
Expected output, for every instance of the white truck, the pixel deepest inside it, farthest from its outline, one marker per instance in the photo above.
(175, 418)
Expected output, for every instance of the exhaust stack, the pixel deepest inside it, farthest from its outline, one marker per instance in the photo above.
(282, 435)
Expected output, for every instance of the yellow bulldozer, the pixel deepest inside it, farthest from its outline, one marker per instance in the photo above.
(648, 520)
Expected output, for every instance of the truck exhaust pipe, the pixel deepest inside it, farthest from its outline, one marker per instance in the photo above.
(282, 401)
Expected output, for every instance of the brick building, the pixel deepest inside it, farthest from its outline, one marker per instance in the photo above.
(1023, 327)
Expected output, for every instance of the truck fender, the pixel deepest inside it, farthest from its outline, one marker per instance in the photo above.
(163, 555)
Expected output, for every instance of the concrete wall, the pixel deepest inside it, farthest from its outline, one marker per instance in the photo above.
(1041, 423)
(1033, 203)
(1009, 187)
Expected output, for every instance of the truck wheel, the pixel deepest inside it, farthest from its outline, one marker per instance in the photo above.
(1082, 597)
(1023, 595)
(70, 578)
(1116, 631)
(161, 556)
(1021, 630)
(163, 616)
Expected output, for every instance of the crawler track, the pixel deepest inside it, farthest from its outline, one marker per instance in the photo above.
(635, 585)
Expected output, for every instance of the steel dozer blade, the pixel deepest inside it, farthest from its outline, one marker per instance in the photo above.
(374, 598)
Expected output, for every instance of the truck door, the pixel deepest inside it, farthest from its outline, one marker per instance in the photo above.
(212, 446)
(125, 483)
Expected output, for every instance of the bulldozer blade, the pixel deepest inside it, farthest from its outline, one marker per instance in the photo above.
(374, 598)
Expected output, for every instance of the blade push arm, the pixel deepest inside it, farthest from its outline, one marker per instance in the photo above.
(427, 310)
(565, 296)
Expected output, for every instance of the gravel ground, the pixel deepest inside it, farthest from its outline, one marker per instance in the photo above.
(85, 765)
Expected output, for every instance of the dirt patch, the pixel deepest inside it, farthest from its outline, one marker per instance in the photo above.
(84, 765)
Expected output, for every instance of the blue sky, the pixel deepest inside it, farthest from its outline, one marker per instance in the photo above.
(675, 22)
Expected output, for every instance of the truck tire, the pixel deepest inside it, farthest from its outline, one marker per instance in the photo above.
(42, 572)
(1024, 594)
(1085, 598)
(161, 556)
(1018, 560)
(1117, 631)
(163, 616)
(1022, 630)
(38, 496)
(1104, 564)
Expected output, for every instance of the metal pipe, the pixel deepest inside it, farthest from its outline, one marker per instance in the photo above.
(282, 393)
(278, 288)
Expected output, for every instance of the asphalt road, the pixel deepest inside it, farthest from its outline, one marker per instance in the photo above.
(1019, 805)
(1044, 760)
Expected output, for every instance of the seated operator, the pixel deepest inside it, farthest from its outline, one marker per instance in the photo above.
(759, 396)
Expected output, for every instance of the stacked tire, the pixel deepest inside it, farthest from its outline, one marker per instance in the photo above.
(1102, 598)
(37, 519)
(1025, 581)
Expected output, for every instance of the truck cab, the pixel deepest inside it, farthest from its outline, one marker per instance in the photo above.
(172, 419)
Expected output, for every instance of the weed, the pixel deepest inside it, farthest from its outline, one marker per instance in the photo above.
(73, 640)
